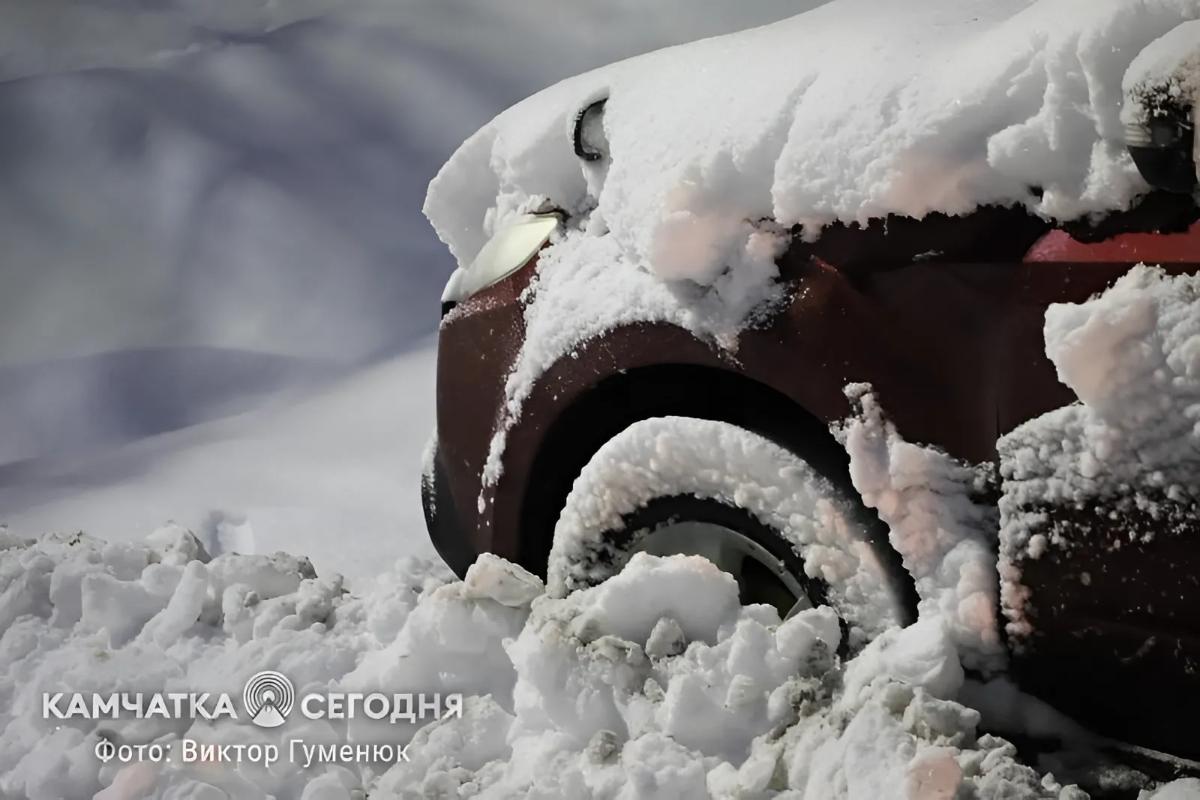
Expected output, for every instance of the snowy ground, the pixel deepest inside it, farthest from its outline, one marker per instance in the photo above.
(333, 473)
(654, 684)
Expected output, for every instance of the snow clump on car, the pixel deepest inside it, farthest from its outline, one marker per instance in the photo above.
(940, 521)
(1130, 446)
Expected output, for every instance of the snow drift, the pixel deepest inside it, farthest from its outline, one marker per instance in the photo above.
(656, 683)
(312, 472)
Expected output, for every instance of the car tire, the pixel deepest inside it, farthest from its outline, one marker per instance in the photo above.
(791, 536)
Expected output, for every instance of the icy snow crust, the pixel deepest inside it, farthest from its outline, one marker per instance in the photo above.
(851, 111)
(656, 683)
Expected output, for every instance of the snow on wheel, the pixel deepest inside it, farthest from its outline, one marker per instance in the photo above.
(792, 537)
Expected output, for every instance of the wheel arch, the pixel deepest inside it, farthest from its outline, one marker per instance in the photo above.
(681, 389)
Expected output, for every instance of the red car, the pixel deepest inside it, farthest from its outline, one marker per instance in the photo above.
(943, 316)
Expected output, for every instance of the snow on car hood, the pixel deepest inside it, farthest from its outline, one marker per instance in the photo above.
(854, 110)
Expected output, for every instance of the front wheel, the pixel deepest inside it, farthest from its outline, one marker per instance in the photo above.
(792, 537)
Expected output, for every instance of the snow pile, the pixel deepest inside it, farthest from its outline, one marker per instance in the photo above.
(952, 105)
(82, 615)
(1132, 356)
(653, 684)
(940, 523)
(656, 684)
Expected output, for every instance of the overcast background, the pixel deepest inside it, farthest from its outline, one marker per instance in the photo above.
(204, 202)
(248, 176)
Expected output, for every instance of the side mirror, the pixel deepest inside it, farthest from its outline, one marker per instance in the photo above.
(1162, 107)
(1164, 148)
(587, 135)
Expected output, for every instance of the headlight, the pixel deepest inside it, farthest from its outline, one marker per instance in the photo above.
(587, 134)
(505, 253)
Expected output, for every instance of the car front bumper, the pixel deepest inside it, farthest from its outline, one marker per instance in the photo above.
(446, 532)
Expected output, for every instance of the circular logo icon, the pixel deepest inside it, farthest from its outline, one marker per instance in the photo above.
(268, 697)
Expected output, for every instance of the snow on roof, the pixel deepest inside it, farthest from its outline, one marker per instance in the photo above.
(854, 110)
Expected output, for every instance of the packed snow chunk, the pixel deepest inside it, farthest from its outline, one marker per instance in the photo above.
(945, 533)
(1138, 343)
(1132, 443)
(176, 545)
(82, 615)
(934, 775)
(919, 655)
(851, 111)
(798, 635)
(183, 609)
(508, 584)
(694, 593)
(1182, 789)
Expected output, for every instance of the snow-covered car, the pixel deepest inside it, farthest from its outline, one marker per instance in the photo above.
(671, 271)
